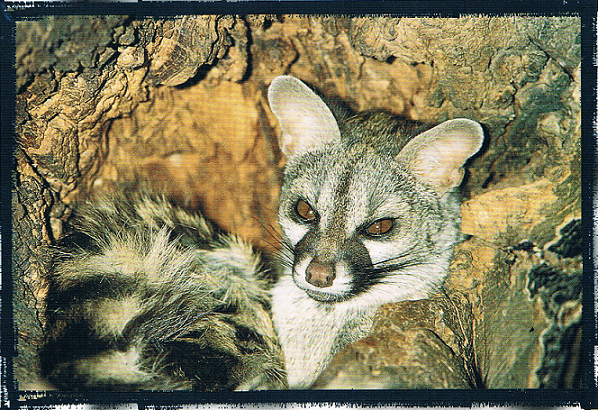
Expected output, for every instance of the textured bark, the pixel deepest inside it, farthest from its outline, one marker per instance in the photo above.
(181, 103)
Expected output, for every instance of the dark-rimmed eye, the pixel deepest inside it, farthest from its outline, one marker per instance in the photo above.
(305, 211)
(380, 227)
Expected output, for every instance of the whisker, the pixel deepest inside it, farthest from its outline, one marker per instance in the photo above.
(273, 239)
(414, 252)
(271, 230)
(285, 255)
(259, 243)
(268, 228)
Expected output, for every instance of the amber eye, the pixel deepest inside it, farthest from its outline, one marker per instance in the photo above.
(379, 227)
(305, 212)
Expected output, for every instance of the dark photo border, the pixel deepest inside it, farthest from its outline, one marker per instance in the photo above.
(586, 398)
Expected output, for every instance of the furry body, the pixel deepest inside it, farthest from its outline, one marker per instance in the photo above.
(153, 298)
(370, 212)
(145, 295)
(410, 264)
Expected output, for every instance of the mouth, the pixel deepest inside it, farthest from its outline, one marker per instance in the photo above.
(325, 297)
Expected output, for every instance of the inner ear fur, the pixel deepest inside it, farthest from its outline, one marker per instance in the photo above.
(436, 156)
(305, 119)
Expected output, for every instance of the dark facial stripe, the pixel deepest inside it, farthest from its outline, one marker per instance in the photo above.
(336, 232)
(360, 266)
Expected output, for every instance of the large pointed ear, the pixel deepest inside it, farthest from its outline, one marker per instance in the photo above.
(305, 119)
(436, 156)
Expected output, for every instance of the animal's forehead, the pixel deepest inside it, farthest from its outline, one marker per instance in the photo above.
(369, 170)
(357, 169)
(356, 157)
(355, 186)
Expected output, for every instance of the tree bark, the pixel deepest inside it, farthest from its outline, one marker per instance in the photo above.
(181, 103)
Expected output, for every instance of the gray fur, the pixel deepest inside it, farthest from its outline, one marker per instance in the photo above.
(377, 167)
(145, 295)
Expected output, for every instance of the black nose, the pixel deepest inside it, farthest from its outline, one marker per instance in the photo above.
(320, 274)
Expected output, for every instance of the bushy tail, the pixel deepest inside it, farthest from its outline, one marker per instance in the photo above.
(145, 295)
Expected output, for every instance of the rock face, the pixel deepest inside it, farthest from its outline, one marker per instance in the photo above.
(104, 101)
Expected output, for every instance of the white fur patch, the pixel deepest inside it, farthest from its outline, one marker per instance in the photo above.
(308, 330)
(294, 231)
(114, 366)
(236, 254)
(380, 251)
(121, 258)
(113, 315)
